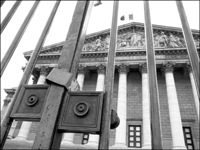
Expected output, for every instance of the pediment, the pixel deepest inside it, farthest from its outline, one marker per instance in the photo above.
(130, 36)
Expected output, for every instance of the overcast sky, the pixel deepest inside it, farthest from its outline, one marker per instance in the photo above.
(162, 13)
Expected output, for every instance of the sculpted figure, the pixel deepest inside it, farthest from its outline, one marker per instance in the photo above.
(85, 47)
(196, 42)
(172, 41)
(98, 45)
(134, 39)
(121, 40)
(156, 40)
(180, 42)
(141, 39)
(92, 46)
(107, 42)
(163, 40)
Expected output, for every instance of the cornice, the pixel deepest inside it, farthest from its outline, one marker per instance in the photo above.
(119, 52)
(10, 91)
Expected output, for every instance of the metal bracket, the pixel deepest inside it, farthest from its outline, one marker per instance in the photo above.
(64, 78)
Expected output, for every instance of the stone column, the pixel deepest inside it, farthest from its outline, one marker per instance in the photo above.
(5, 106)
(120, 136)
(94, 139)
(26, 125)
(146, 116)
(174, 110)
(68, 138)
(188, 69)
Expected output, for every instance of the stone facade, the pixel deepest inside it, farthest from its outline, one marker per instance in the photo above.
(130, 71)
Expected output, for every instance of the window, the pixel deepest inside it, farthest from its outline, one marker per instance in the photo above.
(134, 136)
(85, 138)
(188, 138)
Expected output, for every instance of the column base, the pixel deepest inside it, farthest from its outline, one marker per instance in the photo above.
(21, 138)
(148, 146)
(66, 142)
(119, 146)
(179, 147)
(93, 144)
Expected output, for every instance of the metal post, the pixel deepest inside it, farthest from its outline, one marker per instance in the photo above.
(7, 121)
(104, 135)
(191, 49)
(45, 136)
(17, 39)
(9, 15)
(2, 2)
(152, 77)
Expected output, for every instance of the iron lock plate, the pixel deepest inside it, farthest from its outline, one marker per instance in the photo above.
(30, 102)
(81, 112)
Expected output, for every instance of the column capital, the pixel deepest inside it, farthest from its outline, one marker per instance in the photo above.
(101, 68)
(35, 79)
(7, 100)
(143, 67)
(168, 67)
(44, 70)
(187, 68)
(123, 68)
(82, 69)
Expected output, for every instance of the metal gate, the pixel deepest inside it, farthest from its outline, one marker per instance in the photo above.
(58, 88)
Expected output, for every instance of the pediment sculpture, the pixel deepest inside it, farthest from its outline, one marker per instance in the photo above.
(137, 39)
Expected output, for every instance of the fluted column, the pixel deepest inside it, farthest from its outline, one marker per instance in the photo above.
(174, 110)
(94, 139)
(25, 127)
(146, 116)
(68, 138)
(120, 136)
(188, 69)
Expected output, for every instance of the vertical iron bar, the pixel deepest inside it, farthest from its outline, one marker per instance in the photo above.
(2, 2)
(9, 15)
(7, 121)
(104, 135)
(69, 55)
(17, 39)
(152, 77)
(191, 49)
(57, 137)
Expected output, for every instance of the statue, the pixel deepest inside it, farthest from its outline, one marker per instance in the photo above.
(98, 45)
(85, 47)
(196, 42)
(163, 40)
(156, 40)
(172, 41)
(180, 42)
(134, 39)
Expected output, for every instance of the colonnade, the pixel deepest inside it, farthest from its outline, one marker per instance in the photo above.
(121, 131)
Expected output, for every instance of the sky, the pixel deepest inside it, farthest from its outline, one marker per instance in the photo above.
(162, 13)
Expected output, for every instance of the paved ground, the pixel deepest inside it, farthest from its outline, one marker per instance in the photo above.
(22, 144)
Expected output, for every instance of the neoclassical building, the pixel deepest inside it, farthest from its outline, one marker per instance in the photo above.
(178, 99)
